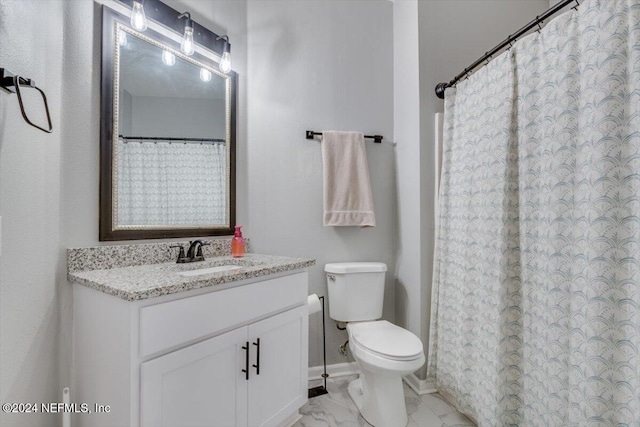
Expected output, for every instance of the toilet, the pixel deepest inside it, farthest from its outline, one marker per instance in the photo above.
(383, 351)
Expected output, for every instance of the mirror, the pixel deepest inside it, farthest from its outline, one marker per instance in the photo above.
(167, 138)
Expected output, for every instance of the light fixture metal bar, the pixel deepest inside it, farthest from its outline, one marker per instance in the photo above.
(168, 17)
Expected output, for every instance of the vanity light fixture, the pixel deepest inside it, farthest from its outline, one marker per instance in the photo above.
(205, 75)
(138, 18)
(225, 60)
(187, 46)
(168, 58)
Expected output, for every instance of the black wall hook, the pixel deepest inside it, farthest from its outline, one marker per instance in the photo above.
(12, 83)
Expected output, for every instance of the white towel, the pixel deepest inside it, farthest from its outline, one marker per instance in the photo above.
(347, 190)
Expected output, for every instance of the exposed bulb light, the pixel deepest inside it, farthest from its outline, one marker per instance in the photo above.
(225, 60)
(187, 46)
(168, 58)
(205, 75)
(122, 38)
(138, 18)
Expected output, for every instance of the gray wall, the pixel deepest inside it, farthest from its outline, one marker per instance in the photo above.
(319, 65)
(406, 115)
(190, 117)
(125, 113)
(30, 297)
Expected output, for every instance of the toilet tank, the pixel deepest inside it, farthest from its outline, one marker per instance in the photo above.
(356, 290)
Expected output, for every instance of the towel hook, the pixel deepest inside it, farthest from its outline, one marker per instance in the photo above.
(12, 83)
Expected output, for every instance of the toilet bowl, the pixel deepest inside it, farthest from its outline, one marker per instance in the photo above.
(384, 354)
(383, 351)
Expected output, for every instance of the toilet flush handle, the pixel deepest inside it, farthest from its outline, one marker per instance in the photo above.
(331, 277)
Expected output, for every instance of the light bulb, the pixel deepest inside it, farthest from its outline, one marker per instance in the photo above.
(225, 59)
(138, 18)
(122, 38)
(205, 75)
(187, 46)
(168, 58)
(225, 62)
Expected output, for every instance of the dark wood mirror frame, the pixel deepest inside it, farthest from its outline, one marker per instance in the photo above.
(167, 16)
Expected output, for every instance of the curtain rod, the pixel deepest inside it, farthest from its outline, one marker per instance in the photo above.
(169, 139)
(440, 87)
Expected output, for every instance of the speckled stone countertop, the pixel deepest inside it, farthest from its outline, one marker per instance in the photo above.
(140, 282)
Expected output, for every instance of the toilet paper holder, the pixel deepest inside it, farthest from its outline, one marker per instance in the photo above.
(321, 389)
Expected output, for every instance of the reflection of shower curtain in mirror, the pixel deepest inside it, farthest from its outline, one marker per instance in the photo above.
(171, 184)
(536, 299)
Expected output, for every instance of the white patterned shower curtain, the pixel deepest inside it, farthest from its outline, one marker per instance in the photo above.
(536, 293)
(171, 183)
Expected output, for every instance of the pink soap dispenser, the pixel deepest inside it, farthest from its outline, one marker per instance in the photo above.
(237, 243)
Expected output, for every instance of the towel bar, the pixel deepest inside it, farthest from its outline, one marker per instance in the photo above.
(376, 138)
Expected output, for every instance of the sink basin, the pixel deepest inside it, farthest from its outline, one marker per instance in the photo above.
(209, 270)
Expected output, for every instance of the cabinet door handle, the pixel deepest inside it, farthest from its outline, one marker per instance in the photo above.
(257, 365)
(246, 360)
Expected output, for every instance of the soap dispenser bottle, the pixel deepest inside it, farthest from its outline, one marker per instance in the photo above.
(237, 243)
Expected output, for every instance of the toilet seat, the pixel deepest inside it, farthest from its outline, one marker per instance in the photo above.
(386, 340)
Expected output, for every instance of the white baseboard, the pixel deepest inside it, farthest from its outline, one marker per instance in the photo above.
(419, 386)
(289, 422)
(335, 370)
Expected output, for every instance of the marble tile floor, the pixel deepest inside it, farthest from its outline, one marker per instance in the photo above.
(336, 409)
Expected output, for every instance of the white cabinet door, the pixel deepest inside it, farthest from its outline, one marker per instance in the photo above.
(200, 385)
(280, 387)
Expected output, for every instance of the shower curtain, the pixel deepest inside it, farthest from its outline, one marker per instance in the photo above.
(536, 291)
(171, 183)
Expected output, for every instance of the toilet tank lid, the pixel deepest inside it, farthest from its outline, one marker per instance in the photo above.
(355, 267)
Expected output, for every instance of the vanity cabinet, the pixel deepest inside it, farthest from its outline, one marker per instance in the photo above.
(197, 386)
(233, 356)
(240, 378)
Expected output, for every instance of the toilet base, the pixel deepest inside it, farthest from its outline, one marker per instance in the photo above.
(380, 400)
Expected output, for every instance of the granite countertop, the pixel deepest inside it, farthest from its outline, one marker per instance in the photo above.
(140, 282)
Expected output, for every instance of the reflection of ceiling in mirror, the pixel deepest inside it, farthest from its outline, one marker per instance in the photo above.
(142, 73)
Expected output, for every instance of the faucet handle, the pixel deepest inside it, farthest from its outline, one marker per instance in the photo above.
(181, 257)
(199, 253)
